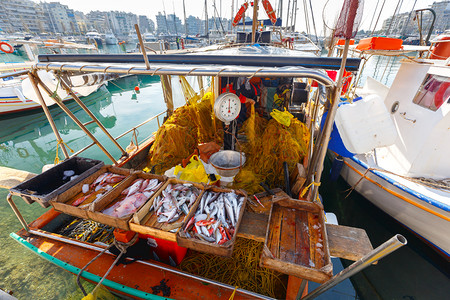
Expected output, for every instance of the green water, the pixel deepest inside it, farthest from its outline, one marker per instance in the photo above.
(27, 143)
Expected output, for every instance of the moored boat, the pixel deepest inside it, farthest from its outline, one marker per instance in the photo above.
(404, 168)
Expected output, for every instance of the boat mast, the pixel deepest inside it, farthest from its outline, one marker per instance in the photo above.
(206, 20)
(185, 24)
(255, 20)
(287, 17)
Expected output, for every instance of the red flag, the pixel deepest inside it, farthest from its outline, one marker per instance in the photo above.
(349, 19)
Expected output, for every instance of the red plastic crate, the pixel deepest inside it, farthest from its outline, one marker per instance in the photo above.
(166, 249)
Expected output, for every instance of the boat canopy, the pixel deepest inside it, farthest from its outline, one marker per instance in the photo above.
(190, 70)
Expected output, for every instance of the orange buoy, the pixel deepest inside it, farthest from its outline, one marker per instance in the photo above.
(270, 12)
(5, 47)
(442, 48)
(239, 14)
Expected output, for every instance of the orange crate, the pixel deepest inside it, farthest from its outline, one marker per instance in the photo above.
(341, 42)
(379, 43)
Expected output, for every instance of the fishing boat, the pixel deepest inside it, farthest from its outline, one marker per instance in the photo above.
(14, 97)
(208, 114)
(395, 152)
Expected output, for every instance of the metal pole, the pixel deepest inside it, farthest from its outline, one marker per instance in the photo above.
(141, 42)
(330, 121)
(381, 251)
(81, 104)
(47, 114)
(17, 212)
(75, 119)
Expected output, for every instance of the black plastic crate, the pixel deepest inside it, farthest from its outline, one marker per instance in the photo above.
(51, 183)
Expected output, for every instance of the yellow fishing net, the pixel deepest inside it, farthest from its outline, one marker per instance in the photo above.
(179, 136)
(242, 269)
(268, 145)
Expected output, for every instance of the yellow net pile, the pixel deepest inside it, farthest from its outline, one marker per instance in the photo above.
(175, 140)
(241, 270)
(268, 145)
(180, 135)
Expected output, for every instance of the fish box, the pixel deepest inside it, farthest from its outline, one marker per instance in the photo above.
(65, 201)
(225, 249)
(146, 222)
(51, 183)
(96, 211)
(296, 240)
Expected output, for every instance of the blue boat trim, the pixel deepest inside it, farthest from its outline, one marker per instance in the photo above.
(418, 195)
(87, 275)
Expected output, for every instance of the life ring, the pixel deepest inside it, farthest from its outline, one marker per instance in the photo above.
(239, 14)
(8, 49)
(270, 12)
(439, 96)
(442, 48)
(23, 153)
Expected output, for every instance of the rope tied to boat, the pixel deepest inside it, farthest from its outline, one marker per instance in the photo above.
(121, 246)
(443, 185)
(60, 142)
(302, 194)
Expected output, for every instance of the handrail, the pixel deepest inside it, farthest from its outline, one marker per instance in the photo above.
(143, 123)
(125, 133)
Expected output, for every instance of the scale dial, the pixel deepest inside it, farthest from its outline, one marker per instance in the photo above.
(227, 107)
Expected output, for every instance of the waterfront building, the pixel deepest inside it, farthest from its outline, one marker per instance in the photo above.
(61, 19)
(121, 23)
(98, 20)
(194, 25)
(22, 15)
(146, 24)
(404, 24)
(169, 24)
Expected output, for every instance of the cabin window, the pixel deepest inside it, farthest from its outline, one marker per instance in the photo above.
(434, 91)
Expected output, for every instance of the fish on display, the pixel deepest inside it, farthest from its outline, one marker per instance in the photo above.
(94, 191)
(174, 201)
(216, 217)
(133, 197)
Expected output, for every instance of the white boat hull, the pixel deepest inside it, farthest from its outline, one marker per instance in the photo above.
(423, 217)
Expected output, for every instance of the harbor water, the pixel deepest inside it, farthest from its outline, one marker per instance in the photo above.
(27, 143)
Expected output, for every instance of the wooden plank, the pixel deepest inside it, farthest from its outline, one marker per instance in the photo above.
(348, 242)
(273, 242)
(9, 177)
(287, 237)
(301, 238)
(341, 241)
(266, 199)
(253, 226)
(316, 239)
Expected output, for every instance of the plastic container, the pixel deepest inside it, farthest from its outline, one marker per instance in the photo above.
(365, 125)
(227, 162)
(379, 43)
(165, 249)
(51, 183)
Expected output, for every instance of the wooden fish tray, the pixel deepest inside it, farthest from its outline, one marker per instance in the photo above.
(63, 202)
(145, 221)
(202, 246)
(95, 214)
(296, 240)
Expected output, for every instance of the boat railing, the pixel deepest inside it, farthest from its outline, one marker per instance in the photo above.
(133, 129)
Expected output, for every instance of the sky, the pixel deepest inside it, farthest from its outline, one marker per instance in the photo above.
(329, 9)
